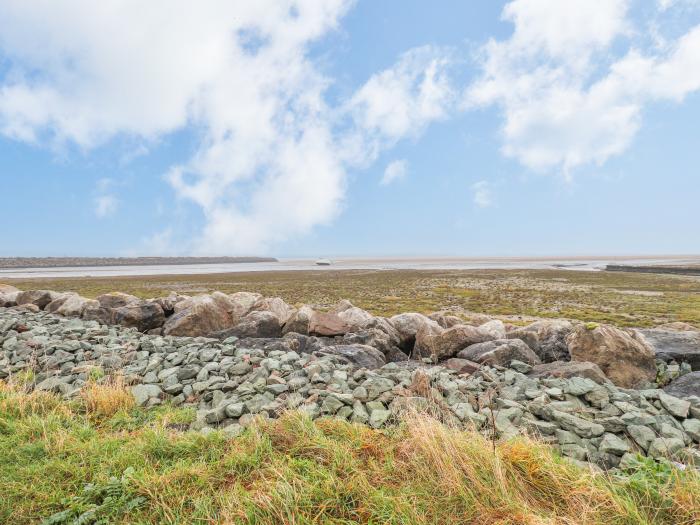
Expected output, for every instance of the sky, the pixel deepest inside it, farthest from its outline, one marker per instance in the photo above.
(325, 128)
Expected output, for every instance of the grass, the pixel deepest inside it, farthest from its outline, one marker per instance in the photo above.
(90, 460)
(624, 299)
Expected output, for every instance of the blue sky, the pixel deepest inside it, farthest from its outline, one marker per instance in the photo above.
(332, 127)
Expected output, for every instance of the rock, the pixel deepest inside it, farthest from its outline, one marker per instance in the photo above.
(692, 428)
(299, 322)
(674, 345)
(665, 448)
(445, 320)
(675, 406)
(578, 425)
(361, 356)
(257, 324)
(116, 299)
(351, 315)
(38, 298)
(568, 369)
(54, 305)
(500, 352)
(377, 332)
(6, 288)
(461, 366)
(142, 315)
(444, 343)
(169, 302)
(611, 444)
(378, 417)
(685, 386)
(623, 355)
(407, 326)
(327, 324)
(547, 338)
(201, 315)
(241, 303)
(277, 306)
(494, 328)
(641, 435)
(8, 299)
(74, 306)
(144, 393)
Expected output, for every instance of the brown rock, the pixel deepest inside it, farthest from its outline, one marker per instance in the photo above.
(407, 326)
(567, 369)
(623, 355)
(277, 306)
(298, 323)
(327, 324)
(201, 315)
(6, 288)
(257, 324)
(441, 343)
(547, 338)
(39, 298)
(445, 319)
(143, 316)
(463, 366)
(116, 299)
(676, 326)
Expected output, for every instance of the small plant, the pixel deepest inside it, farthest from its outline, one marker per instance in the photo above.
(591, 326)
(96, 373)
(99, 503)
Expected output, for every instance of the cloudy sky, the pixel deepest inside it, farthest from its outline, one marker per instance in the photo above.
(340, 127)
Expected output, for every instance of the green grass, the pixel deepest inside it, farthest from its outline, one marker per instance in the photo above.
(88, 460)
(624, 299)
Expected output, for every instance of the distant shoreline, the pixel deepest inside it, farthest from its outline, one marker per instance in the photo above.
(73, 262)
(674, 270)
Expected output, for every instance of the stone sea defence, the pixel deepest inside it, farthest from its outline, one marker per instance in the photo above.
(596, 392)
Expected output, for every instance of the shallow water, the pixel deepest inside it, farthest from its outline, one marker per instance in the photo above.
(416, 263)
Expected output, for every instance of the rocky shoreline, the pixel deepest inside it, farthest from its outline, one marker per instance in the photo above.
(598, 393)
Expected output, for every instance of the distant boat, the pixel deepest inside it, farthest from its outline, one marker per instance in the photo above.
(323, 262)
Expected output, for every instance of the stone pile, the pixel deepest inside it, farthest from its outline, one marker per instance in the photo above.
(351, 365)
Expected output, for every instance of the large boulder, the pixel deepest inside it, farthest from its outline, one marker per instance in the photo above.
(569, 369)
(242, 303)
(380, 334)
(445, 319)
(6, 288)
(351, 315)
(494, 328)
(685, 386)
(623, 355)
(407, 326)
(328, 325)
(73, 306)
(499, 352)
(547, 338)
(277, 306)
(169, 302)
(116, 299)
(361, 356)
(143, 316)
(675, 345)
(39, 298)
(441, 343)
(298, 323)
(103, 310)
(257, 324)
(9, 298)
(677, 326)
(201, 315)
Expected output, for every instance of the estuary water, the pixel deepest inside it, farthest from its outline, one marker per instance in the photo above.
(353, 263)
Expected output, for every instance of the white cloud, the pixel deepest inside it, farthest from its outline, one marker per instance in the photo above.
(106, 205)
(482, 194)
(272, 159)
(564, 101)
(395, 170)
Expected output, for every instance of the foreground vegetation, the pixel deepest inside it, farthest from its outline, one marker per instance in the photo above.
(101, 458)
(624, 299)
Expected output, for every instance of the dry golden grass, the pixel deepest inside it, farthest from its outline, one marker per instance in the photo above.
(102, 399)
